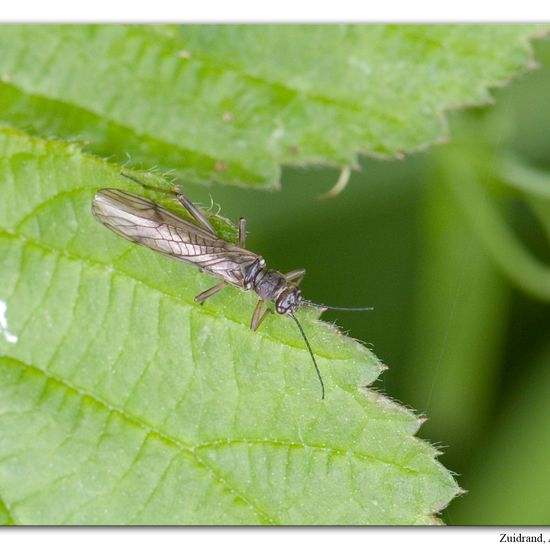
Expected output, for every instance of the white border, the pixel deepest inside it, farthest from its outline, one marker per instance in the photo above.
(270, 538)
(275, 11)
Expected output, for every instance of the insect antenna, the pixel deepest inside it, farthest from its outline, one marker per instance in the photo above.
(122, 173)
(338, 308)
(311, 353)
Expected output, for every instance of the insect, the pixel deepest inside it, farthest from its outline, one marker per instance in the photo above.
(144, 222)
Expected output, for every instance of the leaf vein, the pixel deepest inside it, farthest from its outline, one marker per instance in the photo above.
(183, 446)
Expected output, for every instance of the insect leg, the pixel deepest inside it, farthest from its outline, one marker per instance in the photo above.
(295, 275)
(258, 316)
(242, 232)
(196, 213)
(210, 292)
(182, 199)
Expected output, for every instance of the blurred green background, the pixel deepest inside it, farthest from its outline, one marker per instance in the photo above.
(466, 345)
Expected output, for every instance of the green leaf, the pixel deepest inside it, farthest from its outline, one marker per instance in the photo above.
(232, 102)
(124, 402)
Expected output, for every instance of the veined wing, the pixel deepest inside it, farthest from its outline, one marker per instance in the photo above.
(144, 222)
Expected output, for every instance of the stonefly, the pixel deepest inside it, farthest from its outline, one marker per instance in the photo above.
(144, 222)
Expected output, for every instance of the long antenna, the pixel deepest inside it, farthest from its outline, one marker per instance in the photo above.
(311, 353)
(122, 173)
(338, 308)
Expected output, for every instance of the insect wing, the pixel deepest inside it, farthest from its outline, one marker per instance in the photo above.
(142, 221)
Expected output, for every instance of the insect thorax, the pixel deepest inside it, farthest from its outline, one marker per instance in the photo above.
(272, 286)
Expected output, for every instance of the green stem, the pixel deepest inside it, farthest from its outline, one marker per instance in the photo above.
(496, 237)
(519, 175)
